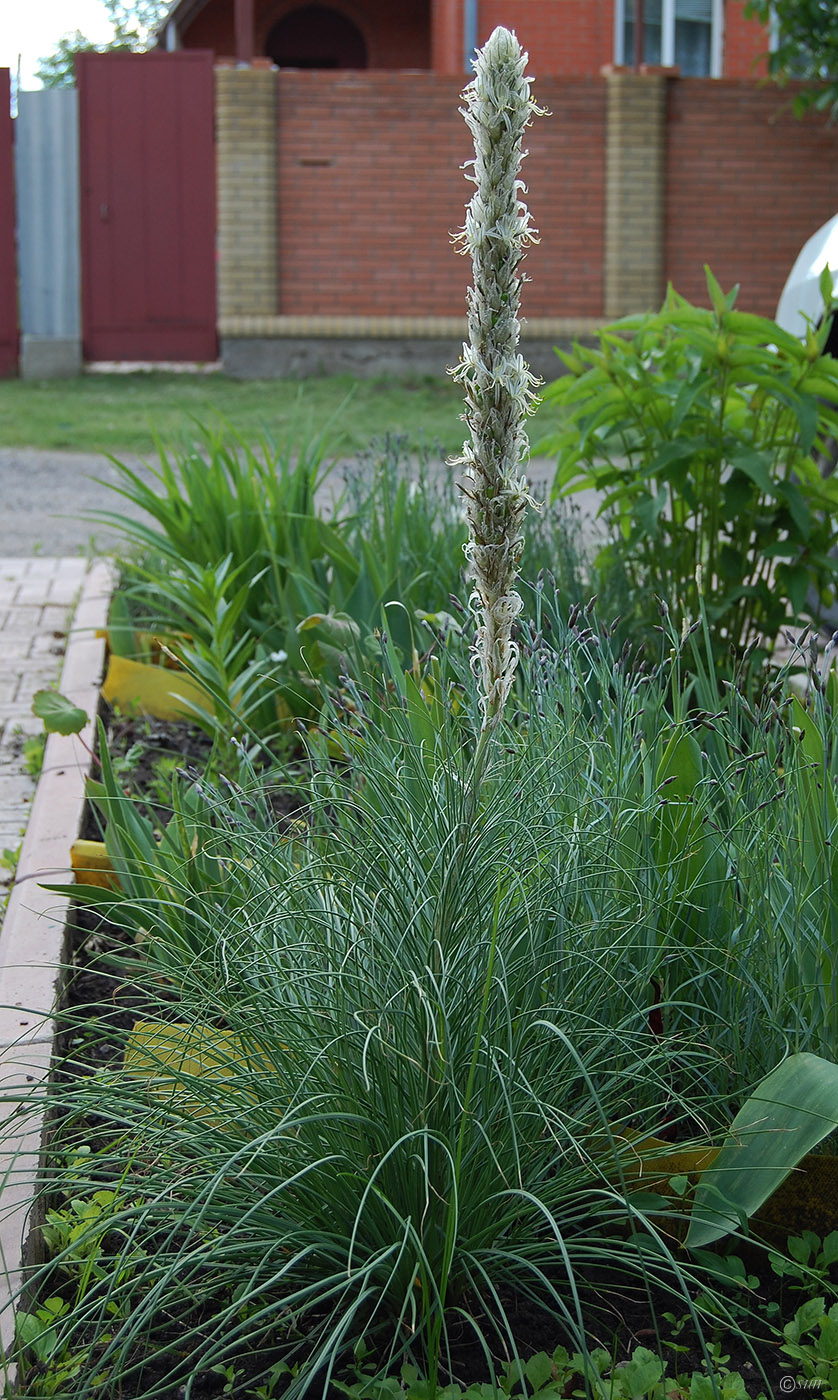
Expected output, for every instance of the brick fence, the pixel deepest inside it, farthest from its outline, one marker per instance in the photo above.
(371, 188)
(339, 192)
(746, 184)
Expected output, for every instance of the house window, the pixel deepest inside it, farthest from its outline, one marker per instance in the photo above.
(686, 33)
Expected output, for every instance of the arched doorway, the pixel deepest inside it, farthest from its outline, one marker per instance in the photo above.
(316, 36)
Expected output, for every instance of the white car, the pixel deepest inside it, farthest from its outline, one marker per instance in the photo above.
(800, 304)
(801, 300)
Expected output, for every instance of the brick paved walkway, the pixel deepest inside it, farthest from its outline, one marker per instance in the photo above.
(36, 602)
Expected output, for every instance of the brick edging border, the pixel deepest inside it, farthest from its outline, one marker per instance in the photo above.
(32, 946)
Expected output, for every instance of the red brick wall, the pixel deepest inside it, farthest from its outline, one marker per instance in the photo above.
(746, 185)
(370, 189)
(577, 36)
(561, 36)
(745, 44)
(573, 37)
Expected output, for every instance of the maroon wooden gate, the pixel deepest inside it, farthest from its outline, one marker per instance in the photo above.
(8, 251)
(146, 125)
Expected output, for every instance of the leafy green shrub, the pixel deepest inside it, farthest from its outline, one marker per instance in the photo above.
(699, 427)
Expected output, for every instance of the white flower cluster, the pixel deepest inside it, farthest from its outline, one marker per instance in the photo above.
(498, 386)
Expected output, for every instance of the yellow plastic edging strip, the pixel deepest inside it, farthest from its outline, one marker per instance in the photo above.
(91, 865)
(153, 690)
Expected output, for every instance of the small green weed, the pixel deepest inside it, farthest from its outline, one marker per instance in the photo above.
(809, 1261)
(812, 1343)
(542, 1377)
(32, 748)
(9, 858)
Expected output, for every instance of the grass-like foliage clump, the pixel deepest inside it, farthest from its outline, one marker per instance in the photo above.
(406, 1062)
(406, 1070)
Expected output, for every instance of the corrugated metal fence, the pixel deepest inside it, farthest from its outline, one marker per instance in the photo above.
(8, 291)
(47, 177)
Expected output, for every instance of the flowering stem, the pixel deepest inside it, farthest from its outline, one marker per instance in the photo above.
(498, 386)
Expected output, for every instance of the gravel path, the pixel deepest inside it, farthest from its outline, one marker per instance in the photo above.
(45, 496)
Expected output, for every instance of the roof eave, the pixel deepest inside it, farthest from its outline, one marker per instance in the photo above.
(180, 13)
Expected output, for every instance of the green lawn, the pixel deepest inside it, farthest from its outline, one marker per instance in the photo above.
(122, 412)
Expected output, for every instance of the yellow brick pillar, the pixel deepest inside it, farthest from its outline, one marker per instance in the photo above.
(634, 191)
(246, 156)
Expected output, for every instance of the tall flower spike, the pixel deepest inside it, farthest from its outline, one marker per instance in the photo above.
(498, 386)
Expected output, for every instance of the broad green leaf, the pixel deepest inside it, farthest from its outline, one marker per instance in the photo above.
(682, 450)
(793, 582)
(788, 1114)
(647, 513)
(539, 1370)
(336, 628)
(641, 1373)
(59, 714)
(753, 465)
(761, 331)
(797, 507)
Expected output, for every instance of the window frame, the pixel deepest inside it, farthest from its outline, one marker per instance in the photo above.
(668, 36)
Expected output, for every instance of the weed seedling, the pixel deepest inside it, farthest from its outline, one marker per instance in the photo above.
(810, 1262)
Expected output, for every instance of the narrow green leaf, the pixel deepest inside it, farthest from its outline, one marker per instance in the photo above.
(717, 297)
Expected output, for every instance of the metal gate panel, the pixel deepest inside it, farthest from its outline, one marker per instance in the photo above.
(8, 260)
(148, 206)
(49, 266)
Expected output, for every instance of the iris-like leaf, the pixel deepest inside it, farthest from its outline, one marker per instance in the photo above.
(788, 1114)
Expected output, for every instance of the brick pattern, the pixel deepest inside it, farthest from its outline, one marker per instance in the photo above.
(36, 596)
(245, 117)
(562, 37)
(745, 44)
(746, 185)
(371, 189)
(635, 179)
(635, 162)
